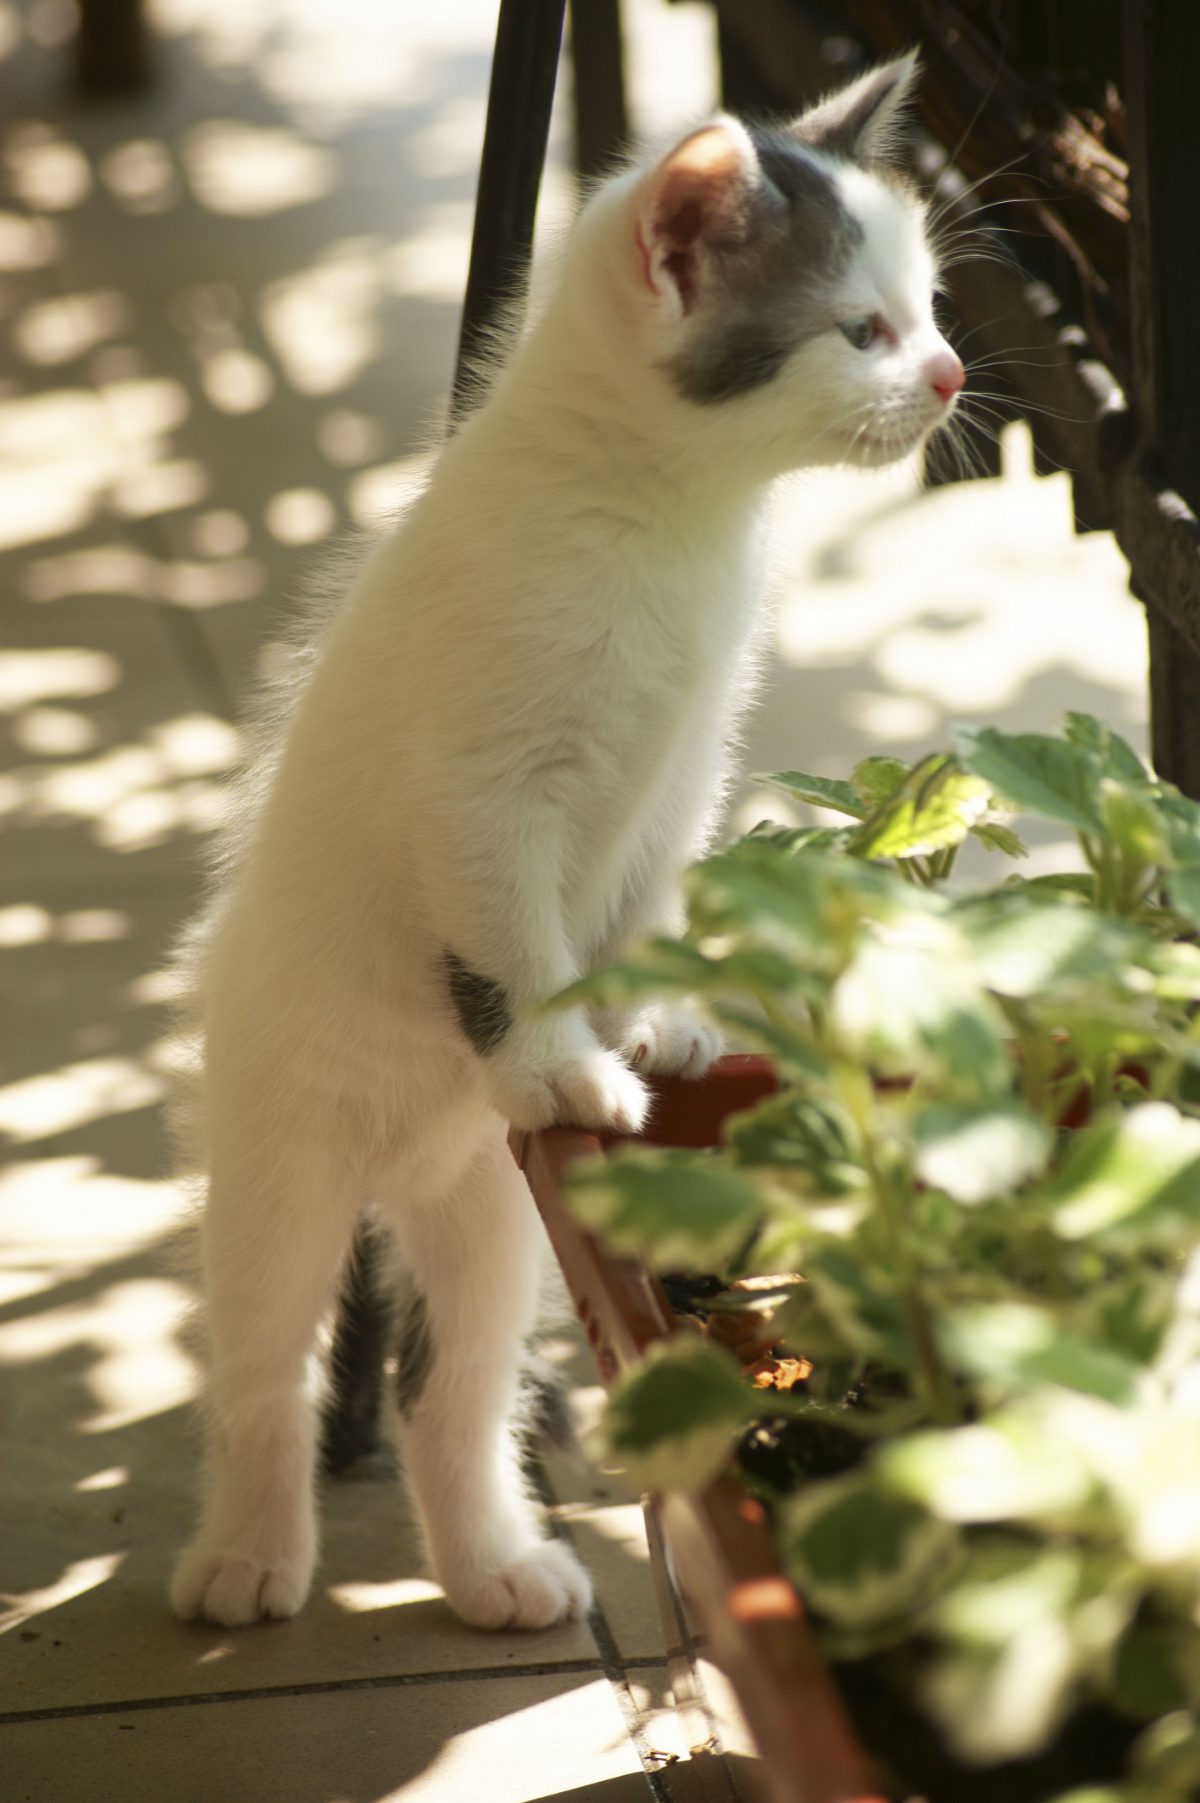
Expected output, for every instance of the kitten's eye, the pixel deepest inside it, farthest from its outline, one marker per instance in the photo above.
(861, 333)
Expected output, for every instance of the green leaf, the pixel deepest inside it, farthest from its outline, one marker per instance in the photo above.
(976, 1152)
(1024, 943)
(877, 779)
(1079, 883)
(1176, 972)
(1157, 1669)
(907, 828)
(1104, 1793)
(1040, 775)
(748, 894)
(1009, 1469)
(935, 806)
(859, 1555)
(1183, 891)
(1140, 1169)
(997, 837)
(1167, 1755)
(1133, 822)
(790, 1046)
(860, 1303)
(802, 1325)
(791, 1132)
(1131, 1311)
(914, 1009)
(663, 967)
(1114, 754)
(792, 839)
(1004, 1702)
(1020, 1632)
(679, 1209)
(999, 1703)
(670, 1423)
(1018, 1345)
(1001, 1695)
(805, 909)
(818, 791)
(1182, 819)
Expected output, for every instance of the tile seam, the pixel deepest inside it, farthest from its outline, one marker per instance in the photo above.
(316, 1687)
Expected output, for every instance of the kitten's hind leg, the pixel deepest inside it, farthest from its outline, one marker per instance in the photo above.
(273, 1241)
(473, 1260)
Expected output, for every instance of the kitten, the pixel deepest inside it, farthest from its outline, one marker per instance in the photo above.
(508, 744)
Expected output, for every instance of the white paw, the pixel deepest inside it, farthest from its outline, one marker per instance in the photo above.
(547, 1586)
(586, 1088)
(236, 1589)
(662, 1041)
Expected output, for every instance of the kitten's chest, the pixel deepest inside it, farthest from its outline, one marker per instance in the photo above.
(679, 626)
(655, 673)
(653, 662)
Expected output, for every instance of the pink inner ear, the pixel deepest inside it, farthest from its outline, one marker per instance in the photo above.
(699, 183)
(695, 193)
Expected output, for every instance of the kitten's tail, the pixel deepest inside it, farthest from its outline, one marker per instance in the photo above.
(369, 1329)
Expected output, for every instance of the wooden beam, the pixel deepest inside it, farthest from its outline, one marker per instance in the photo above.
(1158, 497)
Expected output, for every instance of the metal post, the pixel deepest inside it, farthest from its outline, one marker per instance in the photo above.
(601, 115)
(524, 67)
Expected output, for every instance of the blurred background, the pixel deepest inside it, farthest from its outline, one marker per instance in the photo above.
(229, 305)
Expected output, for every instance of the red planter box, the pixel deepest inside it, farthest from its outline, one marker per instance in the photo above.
(720, 1580)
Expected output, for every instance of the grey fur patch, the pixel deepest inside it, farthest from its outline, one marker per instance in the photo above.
(414, 1354)
(350, 1440)
(481, 1005)
(775, 279)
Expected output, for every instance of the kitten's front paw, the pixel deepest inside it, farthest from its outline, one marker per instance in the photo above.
(586, 1088)
(547, 1586)
(235, 1589)
(661, 1041)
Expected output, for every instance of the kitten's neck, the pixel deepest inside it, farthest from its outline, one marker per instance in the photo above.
(586, 417)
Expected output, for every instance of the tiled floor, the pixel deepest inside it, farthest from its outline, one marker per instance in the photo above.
(230, 311)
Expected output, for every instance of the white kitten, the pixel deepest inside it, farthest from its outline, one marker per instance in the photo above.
(509, 744)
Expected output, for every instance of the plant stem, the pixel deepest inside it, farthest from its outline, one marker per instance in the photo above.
(933, 1379)
(1102, 1088)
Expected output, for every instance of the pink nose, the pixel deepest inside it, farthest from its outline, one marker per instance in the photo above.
(945, 373)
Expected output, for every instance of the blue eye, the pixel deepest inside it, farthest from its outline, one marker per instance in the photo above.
(861, 333)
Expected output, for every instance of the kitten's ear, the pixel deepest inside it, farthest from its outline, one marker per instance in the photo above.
(696, 201)
(863, 122)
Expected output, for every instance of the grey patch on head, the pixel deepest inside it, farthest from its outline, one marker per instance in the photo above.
(863, 122)
(481, 1005)
(775, 280)
(414, 1354)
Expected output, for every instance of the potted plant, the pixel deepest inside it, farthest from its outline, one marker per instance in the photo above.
(939, 1268)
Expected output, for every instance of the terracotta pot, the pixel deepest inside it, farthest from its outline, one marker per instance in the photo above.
(724, 1597)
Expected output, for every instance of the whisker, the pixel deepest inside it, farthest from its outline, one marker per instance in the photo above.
(967, 465)
(1016, 349)
(1024, 406)
(1001, 361)
(984, 325)
(955, 200)
(987, 207)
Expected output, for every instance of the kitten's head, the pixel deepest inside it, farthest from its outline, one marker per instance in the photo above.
(784, 279)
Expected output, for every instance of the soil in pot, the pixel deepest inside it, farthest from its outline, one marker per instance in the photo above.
(778, 1456)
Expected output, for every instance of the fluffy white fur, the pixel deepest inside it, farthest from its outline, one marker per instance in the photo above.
(510, 743)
